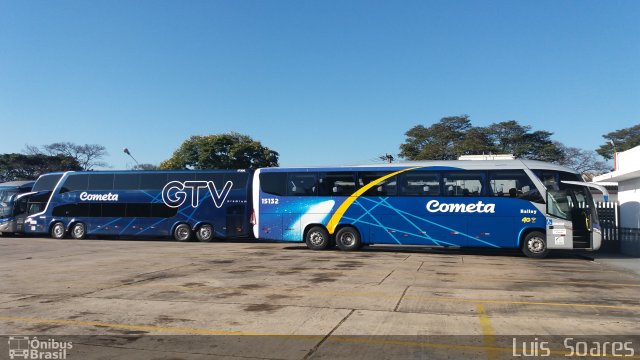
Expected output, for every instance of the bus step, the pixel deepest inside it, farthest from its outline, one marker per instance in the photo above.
(581, 243)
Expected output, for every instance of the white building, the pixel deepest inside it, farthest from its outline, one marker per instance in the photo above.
(627, 175)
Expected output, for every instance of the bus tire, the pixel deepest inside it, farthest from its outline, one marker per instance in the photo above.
(182, 233)
(79, 231)
(205, 233)
(348, 239)
(534, 245)
(317, 238)
(58, 231)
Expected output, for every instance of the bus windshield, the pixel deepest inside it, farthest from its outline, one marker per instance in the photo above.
(6, 202)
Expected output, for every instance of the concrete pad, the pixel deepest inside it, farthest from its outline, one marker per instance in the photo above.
(301, 303)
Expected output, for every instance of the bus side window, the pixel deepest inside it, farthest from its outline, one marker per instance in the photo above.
(100, 182)
(239, 179)
(336, 184)
(153, 181)
(464, 183)
(218, 179)
(274, 183)
(387, 187)
(302, 184)
(514, 184)
(75, 182)
(126, 182)
(35, 208)
(419, 183)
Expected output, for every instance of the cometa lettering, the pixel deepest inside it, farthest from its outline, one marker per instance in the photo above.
(479, 207)
(84, 196)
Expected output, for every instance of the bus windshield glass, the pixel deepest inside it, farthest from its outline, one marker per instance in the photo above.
(6, 202)
(46, 182)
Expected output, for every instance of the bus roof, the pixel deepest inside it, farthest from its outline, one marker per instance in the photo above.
(444, 165)
(150, 171)
(143, 172)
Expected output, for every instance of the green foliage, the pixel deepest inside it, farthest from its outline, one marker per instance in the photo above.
(509, 137)
(440, 141)
(624, 139)
(29, 167)
(452, 137)
(221, 151)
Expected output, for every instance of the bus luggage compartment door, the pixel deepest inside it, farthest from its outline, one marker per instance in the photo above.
(270, 226)
(236, 224)
(559, 234)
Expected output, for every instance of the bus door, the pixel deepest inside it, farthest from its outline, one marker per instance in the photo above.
(570, 218)
(20, 212)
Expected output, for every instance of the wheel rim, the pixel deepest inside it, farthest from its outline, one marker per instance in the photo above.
(205, 232)
(78, 231)
(536, 245)
(183, 233)
(316, 238)
(58, 231)
(348, 239)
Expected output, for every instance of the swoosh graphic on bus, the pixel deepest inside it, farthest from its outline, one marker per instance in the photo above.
(335, 219)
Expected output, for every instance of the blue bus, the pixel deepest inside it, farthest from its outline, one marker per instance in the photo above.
(13, 205)
(519, 204)
(179, 204)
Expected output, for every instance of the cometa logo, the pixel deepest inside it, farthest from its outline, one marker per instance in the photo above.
(479, 207)
(174, 194)
(84, 196)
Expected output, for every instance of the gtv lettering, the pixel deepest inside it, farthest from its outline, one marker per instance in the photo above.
(175, 193)
(479, 207)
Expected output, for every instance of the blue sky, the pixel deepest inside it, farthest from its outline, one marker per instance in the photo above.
(321, 82)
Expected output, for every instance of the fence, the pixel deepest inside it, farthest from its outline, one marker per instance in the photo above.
(630, 241)
(609, 215)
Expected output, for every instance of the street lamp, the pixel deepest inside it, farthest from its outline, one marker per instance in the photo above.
(615, 155)
(126, 151)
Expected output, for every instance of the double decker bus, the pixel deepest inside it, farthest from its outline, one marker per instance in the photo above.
(519, 204)
(13, 205)
(180, 204)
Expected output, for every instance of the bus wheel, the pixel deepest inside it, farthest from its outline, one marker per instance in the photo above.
(182, 232)
(348, 239)
(317, 238)
(535, 245)
(78, 231)
(58, 231)
(205, 233)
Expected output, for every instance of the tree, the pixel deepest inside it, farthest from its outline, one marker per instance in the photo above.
(454, 136)
(221, 151)
(145, 167)
(87, 155)
(583, 161)
(476, 141)
(624, 139)
(509, 137)
(28, 167)
(437, 142)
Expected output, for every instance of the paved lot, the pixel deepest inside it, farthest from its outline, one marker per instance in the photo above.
(273, 300)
